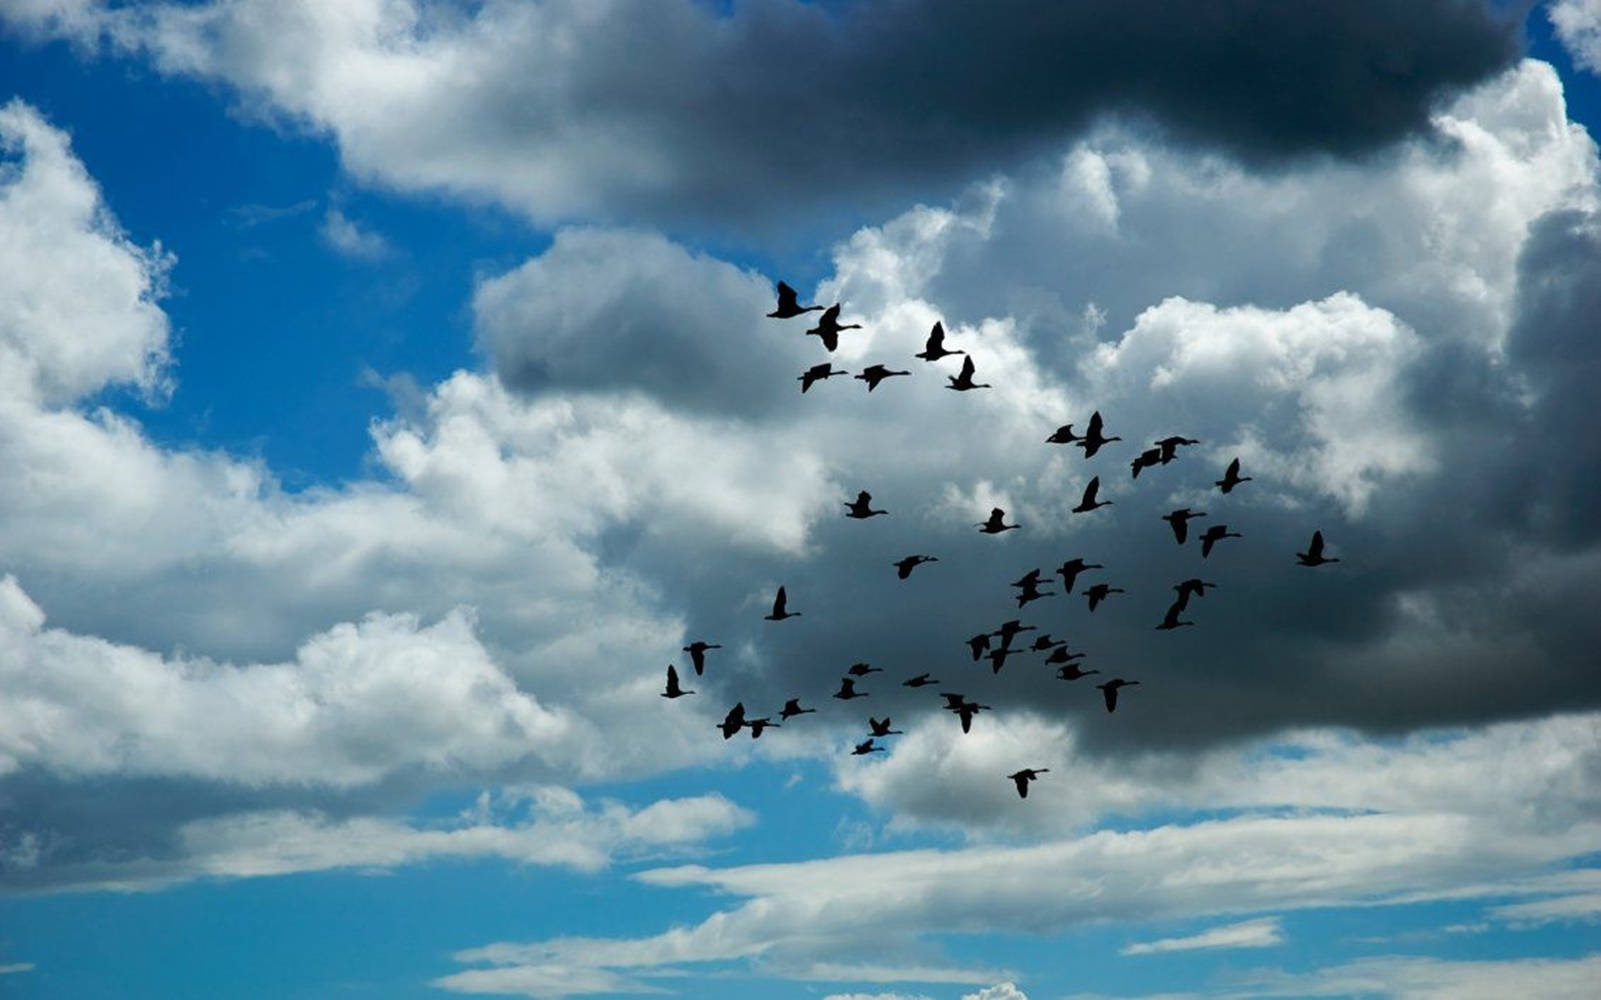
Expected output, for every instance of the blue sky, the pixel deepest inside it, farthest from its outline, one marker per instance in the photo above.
(388, 398)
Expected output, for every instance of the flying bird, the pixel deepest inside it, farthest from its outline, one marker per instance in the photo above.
(978, 644)
(734, 721)
(1062, 435)
(817, 373)
(964, 381)
(793, 708)
(789, 304)
(757, 725)
(934, 348)
(921, 680)
(862, 507)
(882, 728)
(1043, 643)
(994, 525)
(1170, 446)
(866, 747)
(1071, 672)
(1098, 593)
(1070, 570)
(673, 690)
(1010, 630)
(1179, 521)
(904, 567)
(1093, 437)
(1023, 777)
(997, 658)
(780, 601)
(874, 374)
(828, 327)
(1216, 533)
(1195, 586)
(1171, 619)
(697, 654)
(1313, 556)
(1029, 579)
(964, 709)
(847, 690)
(1231, 477)
(1089, 503)
(1031, 592)
(1150, 458)
(1109, 691)
(862, 670)
(1061, 655)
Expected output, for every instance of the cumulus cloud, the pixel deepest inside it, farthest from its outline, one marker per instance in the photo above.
(1578, 25)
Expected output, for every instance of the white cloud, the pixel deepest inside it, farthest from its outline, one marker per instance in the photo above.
(1578, 25)
(1263, 933)
(1000, 991)
(15, 967)
(350, 239)
(876, 996)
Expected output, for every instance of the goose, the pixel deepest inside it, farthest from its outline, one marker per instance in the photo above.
(1170, 446)
(934, 348)
(1023, 777)
(847, 690)
(1313, 556)
(904, 567)
(1032, 592)
(965, 710)
(734, 721)
(1098, 592)
(1216, 533)
(1093, 439)
(882, 728)
(862, 507)
(1044, 643)
(921, 680)
(979, 644)
(673, 690)
(1231, 477)
(1089, 503)
(817, 373)
(780, 602)
(1150, 458)
(964, 381)
(874, 374)
(1029, 579)
(1109, 691)
(862, 670)
(995, 525)
(997, 658)
(789, 304)
(1061, 655)
(1179, 521)
(1171, 619)
(1062, 435)
(866, 747)
(757, 725)
(793, 708)
(1071, 672)
(697, 654)
(1070, 570)
(1195, 586)
(828, 328)
(1011, 629)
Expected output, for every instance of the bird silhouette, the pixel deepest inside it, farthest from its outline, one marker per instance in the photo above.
(921, 680)
(1171, 619)
(734, 721)
(979, 644)
(964, 381)
(964, 709)
(847, 690)
(1043, 643)
(882, 728)
(1098, 593)
(1062, 435)
(1179, 521)
(1032, 592)
(793, 708)
(866, 747)
(1216, 533)
(780, 601)
(1109, 691)
(697, 654)
(828, 327)
(789, 304)
(1093, 438)
(934, 348)
(1150, 458)
(994, 525)
(757, 725)
(952, 701)
(1010, 630)
(1023, 777)
(1070, 570)
(874, 374)
(862, 670)
(817, 373)
(1313, 556)
(997, 658)
(1029, 579)
(862, 507)
(1061, 655)
(904, 567)
(1088, 502)
(1170, 446)
(1231, 477)
(673, 690)
(1071, 672)
(1193, 586)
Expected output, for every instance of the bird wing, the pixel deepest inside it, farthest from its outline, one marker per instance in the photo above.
(1090, 490)
(1021, 780)
(1315, 550)
(967, 369)
(787, 296)
(1109, 692)
(1181, 529)
(778, 602)
(1095, 425)
(936, 338)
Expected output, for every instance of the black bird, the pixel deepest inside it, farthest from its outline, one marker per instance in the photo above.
(1071, 672)
(1170, 446)
(997, 658)
(793, 708)
(828, 327)
(697, 654)
(994, 525)
(866, 747)
(964, 381)
(1171, 619)
(1029, 579)
(1313, 556)
(1195, 586)
(1150, 458)
(817, 373)
(1061, 655)
(921, 680)
(862, 507)
(1062, 435)
(904, 567)
(1070, 570)
(965, 710)
(934, 348)
(979, 644)
(1032, 592)
(779, 612)
(1089, 503)
(1010, 630)
(673, 690)
(734, 721)
(1109, 691)
(1216, 533)
(874, 374)
(882, 728)
(1179, 520)
(789, 304)
(1043, 642)
(757, 725)
(847, 690)
(1093, 439)
(1231, 477)
(952, 701)
(1023, 777)
(862, 670)
(1098, 592)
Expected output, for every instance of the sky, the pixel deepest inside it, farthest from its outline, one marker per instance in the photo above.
(387, 397)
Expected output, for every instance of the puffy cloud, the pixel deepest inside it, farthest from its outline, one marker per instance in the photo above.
(1578, 25)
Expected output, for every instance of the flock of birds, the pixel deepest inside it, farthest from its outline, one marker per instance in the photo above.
(1000, 644)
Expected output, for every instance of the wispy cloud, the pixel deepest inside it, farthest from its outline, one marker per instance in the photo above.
(1261, 933)
(344, 235)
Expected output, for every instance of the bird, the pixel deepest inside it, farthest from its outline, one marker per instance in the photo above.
(1150, 458)
(921, 680)
(1098, 593)
(828, 327)
(817, 373)
(952, 701)
(1093, 439)
(862, 507)
(1313, 556)
(1062, 435)
(734, 721)
(1070, 570)
(793, 708)
(1071, 672)
(1032, 592)
(1011, 629)
(979, 644)
(1170, 446)
(997, 658)
(874, 374)
(1023, 777)
(697, 654)
(1231, 477)
(779, 613)
(1216, 533)
(904, 567)
(964, 381)
(1109, 691)
(847, 690)
(994, 525)
(965, 710)
(1029, 579)
(1179, 521)
(1195, 586)
(757, 725)
(673, 690)
(789, 304)
(1043, 643)
(1089, 503)
(862, 670)
(882, 728)
(1171, 619)
(934, 348)
(866, 747)
(1061, 655)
